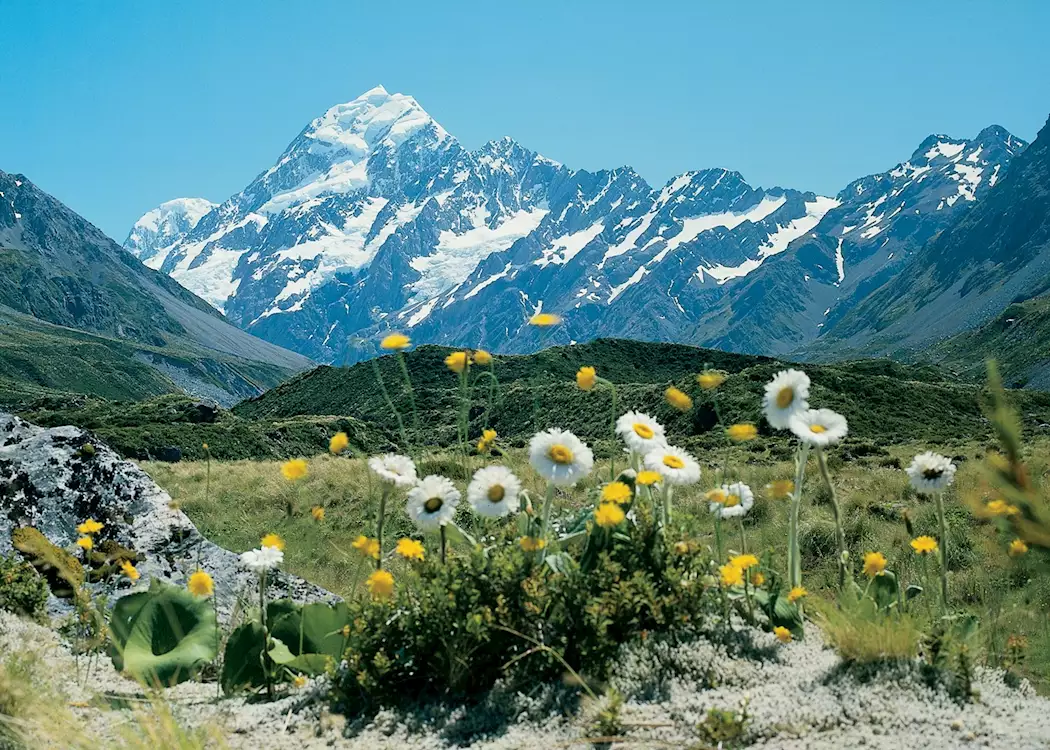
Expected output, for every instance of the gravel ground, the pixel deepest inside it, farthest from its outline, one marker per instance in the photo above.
(798, 697)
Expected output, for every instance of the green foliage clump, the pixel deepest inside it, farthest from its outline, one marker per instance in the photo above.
(163, 635)
(63, 572)
(22, 589)
(502, 612)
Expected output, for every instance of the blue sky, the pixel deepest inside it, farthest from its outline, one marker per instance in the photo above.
(115, 107)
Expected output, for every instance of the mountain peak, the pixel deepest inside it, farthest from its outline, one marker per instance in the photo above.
(375, 116)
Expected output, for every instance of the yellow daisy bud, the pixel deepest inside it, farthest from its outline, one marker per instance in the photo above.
(457, 362)
(544, 320)
(395, 342)
(294, 470)
(741, 433)
(678, 399)
(585, 378)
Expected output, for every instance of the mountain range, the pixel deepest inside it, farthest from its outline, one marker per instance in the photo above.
(80, 314)
(375, 218)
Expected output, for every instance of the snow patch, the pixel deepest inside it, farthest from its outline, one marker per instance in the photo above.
(563, 249)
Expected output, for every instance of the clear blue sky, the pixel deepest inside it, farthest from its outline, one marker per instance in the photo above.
(117, 106)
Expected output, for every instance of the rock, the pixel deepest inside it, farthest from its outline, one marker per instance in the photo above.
(169, 454)
(48, 481)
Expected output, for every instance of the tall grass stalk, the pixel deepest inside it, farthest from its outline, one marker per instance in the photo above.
(380, 521)
(938, 498)
(207, 494)
(794, 556)
(548, 502)
(612, 424)
(390, 405)
(266, 633)
(411, 392)
(840, 537)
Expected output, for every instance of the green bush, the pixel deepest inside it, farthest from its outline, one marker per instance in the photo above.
(63, 572)
(457, 628)
(22, 590)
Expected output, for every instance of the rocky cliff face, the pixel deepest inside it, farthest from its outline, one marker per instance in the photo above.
(49, 481)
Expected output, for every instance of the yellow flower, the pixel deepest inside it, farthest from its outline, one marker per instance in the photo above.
(200, 584)
(874, 564)
(781, 489)
(585, 378)
(294, 470)
(457, 362)
(743, 561)
(367, 546)
(532, 544)
(205, 446)
(482, 357)
(1017, 548)
(299, 681)
(488, 437)
(647, 478)
(543, 320)
(272, 540)
(717, 495)
(757, 579)
(924, 545)
(616, 492)
(395, 342)
(710, 379)
(338, 443)
(609, 515)
(90, 526)
(741, 433)
(783, 634)
(796, 593)
(380, 584)
(129, 570)
(85, 543)
(317, 512)
(677, 399)
(681, 547)
(1001, 508)
(410, 549)
(730, 575)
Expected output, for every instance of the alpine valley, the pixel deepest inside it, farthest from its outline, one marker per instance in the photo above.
(376, 219)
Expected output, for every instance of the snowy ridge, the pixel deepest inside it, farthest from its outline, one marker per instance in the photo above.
(375, 217)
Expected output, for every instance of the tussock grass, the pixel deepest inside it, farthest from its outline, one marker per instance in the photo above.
(249, 498)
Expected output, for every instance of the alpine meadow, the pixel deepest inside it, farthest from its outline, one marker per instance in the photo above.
(380, 429)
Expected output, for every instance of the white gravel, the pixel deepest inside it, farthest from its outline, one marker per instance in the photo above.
(797, 698)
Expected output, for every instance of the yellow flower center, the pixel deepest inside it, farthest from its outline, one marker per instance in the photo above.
(644, 431)
(785, 397)
(496, 493)
(732, 500)
(673, 462)
(433, 505)
(560, 454)
(817, 428)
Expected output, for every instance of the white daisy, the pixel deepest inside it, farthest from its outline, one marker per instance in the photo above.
(261, 560)
(494, 491)
(738, 501)
(641, 432)
(819, 427)
(675, 465)
(432, 503)
(931, 472)
(396, 469)
(786, 395)
(560, 457)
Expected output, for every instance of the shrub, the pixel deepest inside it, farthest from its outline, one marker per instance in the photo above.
(22, 590)
(62, 571)
(459, 627)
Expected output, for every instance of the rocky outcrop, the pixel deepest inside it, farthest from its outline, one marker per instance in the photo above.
(53, 479)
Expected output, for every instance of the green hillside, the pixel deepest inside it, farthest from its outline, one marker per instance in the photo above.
(1019, 339)
(885, 402)
(42, 359)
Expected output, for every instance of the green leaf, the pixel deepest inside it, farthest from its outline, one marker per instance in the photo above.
(456, 535)
(279, 652)
(559, 562)
(884, 589)
(912, 591)
(242, 664)
(315, 630)
(161, 636)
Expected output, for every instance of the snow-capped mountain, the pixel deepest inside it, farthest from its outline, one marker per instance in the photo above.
(881, 220)
(158, 230)
(375, 218)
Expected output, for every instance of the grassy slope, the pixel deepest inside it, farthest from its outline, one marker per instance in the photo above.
(39, 358)
(248, 499)
(885, 402)
(1019, 338)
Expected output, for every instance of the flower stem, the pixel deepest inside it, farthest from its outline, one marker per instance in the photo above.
(939, 499)
(380, 519)
(390, 405)
(548, 501)
(411, 392)
(444, 543)
(743, 539)
(794, 556)
(266, 634)
(718, 534)
(840, 538)
(665, 519)
(615, 409)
